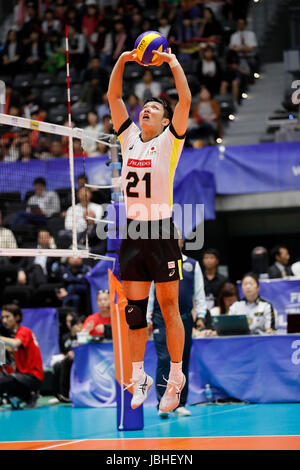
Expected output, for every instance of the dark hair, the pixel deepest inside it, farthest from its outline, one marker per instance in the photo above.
(275, 251)
(82, 176)
(14, 310)
(40, 181)
(228, 290)
(251, 274)
(167, 108)
(212, 251)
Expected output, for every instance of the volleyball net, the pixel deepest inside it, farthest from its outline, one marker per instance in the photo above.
(44, 187)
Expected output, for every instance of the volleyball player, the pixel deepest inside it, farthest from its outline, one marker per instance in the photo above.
(150, 156)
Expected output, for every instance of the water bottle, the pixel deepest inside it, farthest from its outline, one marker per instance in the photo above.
(208, 393)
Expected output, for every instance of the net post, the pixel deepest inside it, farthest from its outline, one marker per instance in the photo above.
(2, 353)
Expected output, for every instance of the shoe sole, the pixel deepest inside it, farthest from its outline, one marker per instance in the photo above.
(176, 405)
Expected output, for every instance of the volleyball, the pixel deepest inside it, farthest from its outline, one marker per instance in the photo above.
(148, 42)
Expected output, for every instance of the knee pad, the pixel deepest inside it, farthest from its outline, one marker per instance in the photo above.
(136, 314)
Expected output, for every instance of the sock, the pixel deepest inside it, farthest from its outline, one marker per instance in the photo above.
(176, 371)
(137, 370)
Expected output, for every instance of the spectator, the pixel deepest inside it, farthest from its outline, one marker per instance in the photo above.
(94, 129)
(101, 43)
(120, 40)
(192, 303)
(228, 295)
(56, 149)
(77, 48)
(81, 209)
(260, 262)
(133, 108)
(26, 153)
(209, 71)
(99, 324)
(50, 24)
(34, 54)
(213, 280)
(32, 23)
(7, 238)
(259, 312)
(280, 268)
(91, 19)
(244, 42)
(147, 87)
(95, 80)
(12, 54)
(103, 109)
(75, 291)
(74, 17)
(210, 28)
(26, 378)
(234, 77)
(38, 270)
(61, 8)
(206, 114)
(47, 202)
(55, 53)
(62, 367)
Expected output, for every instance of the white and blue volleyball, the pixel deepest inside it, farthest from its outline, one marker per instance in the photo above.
(148, 42)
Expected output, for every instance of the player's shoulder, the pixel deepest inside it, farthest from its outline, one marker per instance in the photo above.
(128, 126)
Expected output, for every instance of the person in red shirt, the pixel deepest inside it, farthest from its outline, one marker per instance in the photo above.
(95, 324)
(26, 379)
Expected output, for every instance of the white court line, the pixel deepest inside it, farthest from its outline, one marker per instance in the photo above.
(63, 444)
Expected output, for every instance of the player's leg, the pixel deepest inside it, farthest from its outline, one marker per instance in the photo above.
(136, 310)
(167, 296)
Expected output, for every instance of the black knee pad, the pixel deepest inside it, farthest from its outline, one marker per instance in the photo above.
(136, 314)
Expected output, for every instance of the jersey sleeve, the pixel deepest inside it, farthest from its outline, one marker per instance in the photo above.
(24, 336)
(126, 134)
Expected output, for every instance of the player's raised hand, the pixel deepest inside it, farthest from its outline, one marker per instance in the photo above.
(131, 56)
(160, 57)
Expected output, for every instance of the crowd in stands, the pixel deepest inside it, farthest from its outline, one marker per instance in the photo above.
(211, 39)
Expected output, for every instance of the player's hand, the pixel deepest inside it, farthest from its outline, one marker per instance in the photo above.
(160, 57)
(131, 56)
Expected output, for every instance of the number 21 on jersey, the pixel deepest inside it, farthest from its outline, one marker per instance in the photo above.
(133, 181)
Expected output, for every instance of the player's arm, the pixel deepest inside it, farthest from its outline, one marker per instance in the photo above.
(182, 108)
(14, 343)
(114, 93)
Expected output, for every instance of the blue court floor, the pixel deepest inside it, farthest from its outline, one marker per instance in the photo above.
(63, 422)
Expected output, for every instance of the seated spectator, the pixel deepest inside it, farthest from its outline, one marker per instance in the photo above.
(94, 129)
(121, 40)
(213, 280)
(7, 238)
(11, 54)
(74, 292)
(99, 324)
(24, 378)
(147, 87)
(26, 152)
(101, 43)
(56, 149)
(95, 82)
(260, 262)
(50, 23)
(62, 366)
(103, 109)
(32, 22)
(77, 48)
(244, 42)
(210, 28)
(91, 19)
(281, 257)
(206, 114)
(229, 294)
(259, 312)
(40, 206)
(38, 270)
(84, 205)
(55, 53)
(234, 77)
(208, 70)
(133, 108)
(34, 54)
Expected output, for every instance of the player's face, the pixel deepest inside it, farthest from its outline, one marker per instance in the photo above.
(152, 116)
(8, 320)
(250, 288)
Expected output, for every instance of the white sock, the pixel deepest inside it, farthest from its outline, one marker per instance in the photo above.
(137, 370)
(176, 371)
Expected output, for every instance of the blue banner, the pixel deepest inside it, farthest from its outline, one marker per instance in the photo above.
(284, 295)
(249, 368)
(44, 324)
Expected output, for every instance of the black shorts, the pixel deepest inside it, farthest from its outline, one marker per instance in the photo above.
(155, 259)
